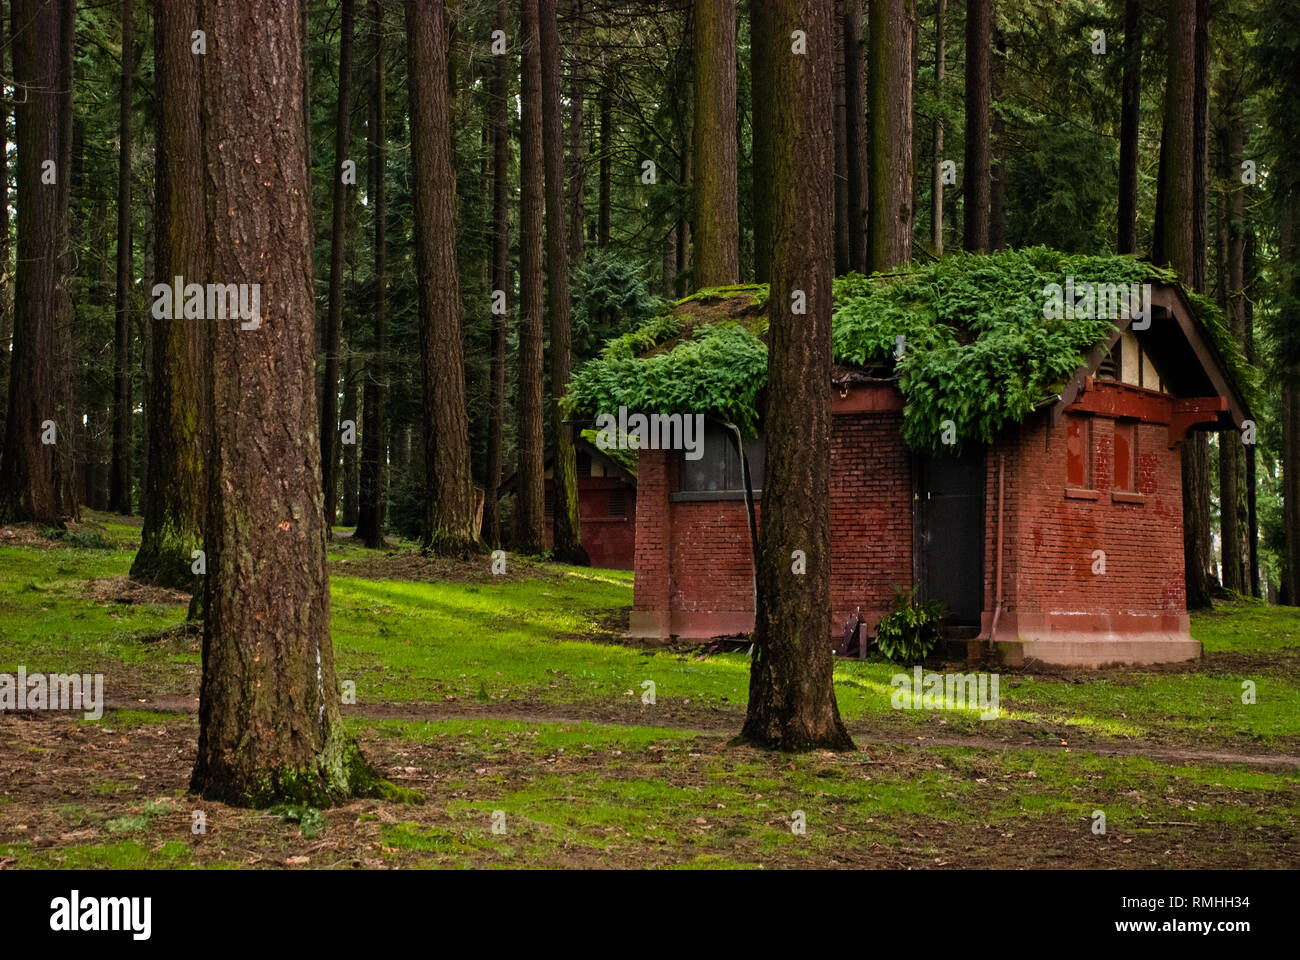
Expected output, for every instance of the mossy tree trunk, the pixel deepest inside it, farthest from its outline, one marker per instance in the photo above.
(567, 538)
(374, 432)
(269, 724)
(176, 479)
(449, 508)
(791, 696)
(889, 211)
(28, 482)
(120, 476)
(530, 521)
(716, 223)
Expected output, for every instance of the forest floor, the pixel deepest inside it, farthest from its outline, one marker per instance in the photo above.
(512, 701)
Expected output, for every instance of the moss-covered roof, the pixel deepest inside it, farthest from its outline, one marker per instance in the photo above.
(978, 349)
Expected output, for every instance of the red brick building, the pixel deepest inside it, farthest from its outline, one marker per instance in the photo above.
(606, 506)
(1062, 538)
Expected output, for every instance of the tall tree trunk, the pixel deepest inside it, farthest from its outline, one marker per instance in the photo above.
(449, 508)
(606, 157)
(498, 121)
(1177, 202)
(1201, 159)
(1199, 479)
(1248, 319)
(855, 109)
(6, 253)
(685, 279)
(577, 141)
(351, 408)
(176, 480)
(119, 496)
(997, 148)
(530, 526)
(975, 175)
(889, 211)
(668, 264)
(717, 216)
(329, 409)
(839, 125)
(791, 696)
(374, 432)
(66, 460)
(1231, 209)
(764, 48)
(27, 466)
(567, 535)
(269, 725)
(1130, 124)
(936, 173)
(1287, 194)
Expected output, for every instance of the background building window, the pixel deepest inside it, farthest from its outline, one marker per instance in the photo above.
(719, 468)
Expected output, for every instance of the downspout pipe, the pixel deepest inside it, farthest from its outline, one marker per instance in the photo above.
(997, 602)
(749, 509)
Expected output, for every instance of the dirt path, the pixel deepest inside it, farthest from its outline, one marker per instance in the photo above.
(715, 722)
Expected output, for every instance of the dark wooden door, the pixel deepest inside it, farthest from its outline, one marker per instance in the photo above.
(950, 533)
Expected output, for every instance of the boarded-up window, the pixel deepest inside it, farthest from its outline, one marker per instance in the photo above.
(1125, 456)
(1078, 452)
(617, 503)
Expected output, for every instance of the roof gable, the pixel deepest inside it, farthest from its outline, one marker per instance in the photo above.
(1192, 364)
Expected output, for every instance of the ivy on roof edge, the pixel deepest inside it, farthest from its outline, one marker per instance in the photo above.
(979, 351)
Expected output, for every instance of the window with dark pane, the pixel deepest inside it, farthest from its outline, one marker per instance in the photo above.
(719, 469)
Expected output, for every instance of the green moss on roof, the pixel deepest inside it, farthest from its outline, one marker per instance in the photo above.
(978, 350)
(624, 454)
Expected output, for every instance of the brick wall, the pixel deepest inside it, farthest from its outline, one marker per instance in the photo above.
(871, 515)
(608, 537)
(694, 573)
(1049, 537)
(650, 616)
(699, 564)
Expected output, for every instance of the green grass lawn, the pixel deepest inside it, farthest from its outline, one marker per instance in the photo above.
(543, 733)
(521, 639)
